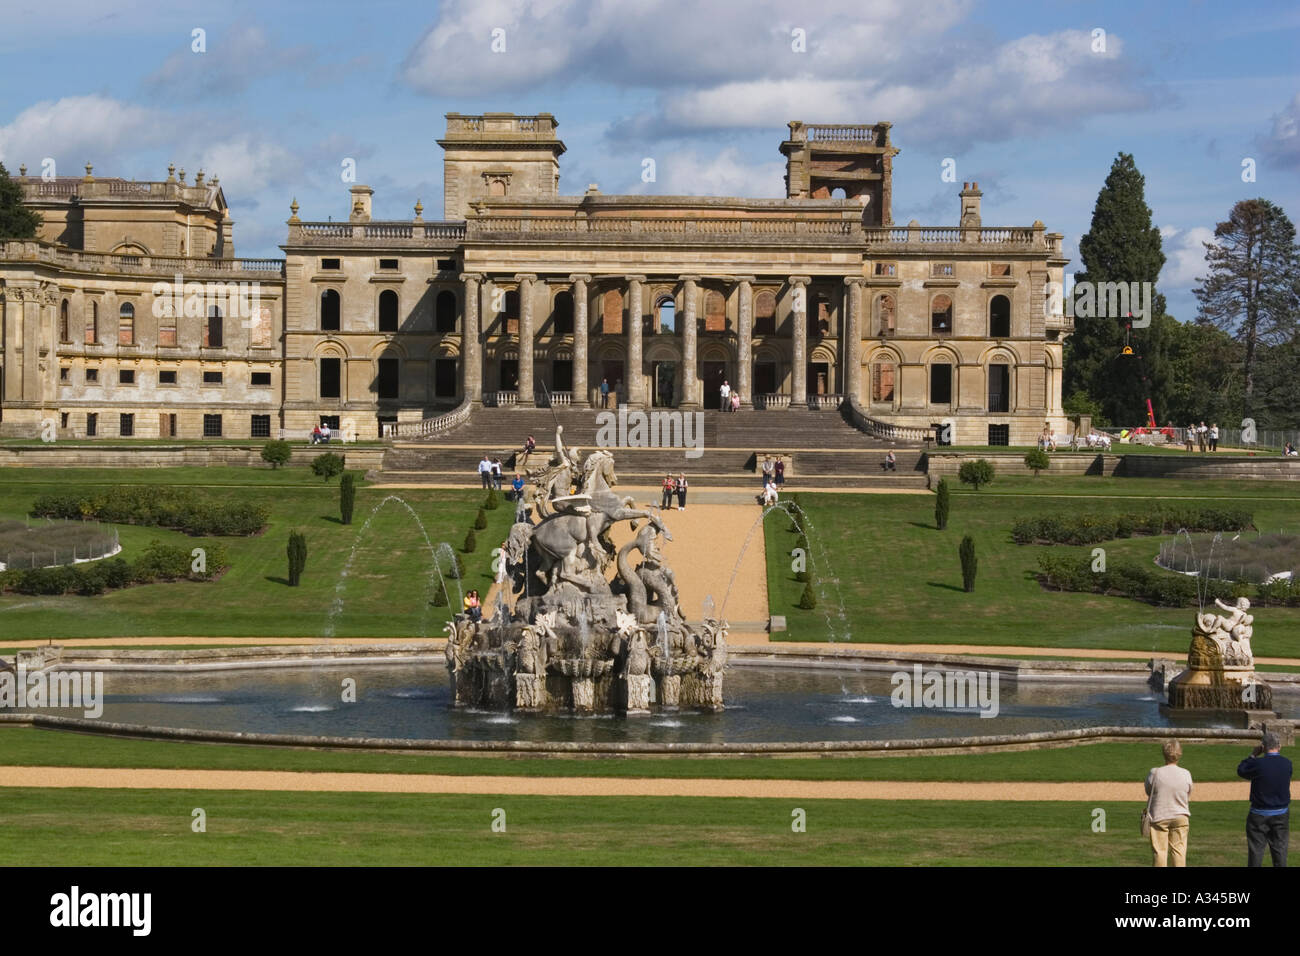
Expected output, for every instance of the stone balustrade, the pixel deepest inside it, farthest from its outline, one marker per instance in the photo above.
(426, 427)
(388, 234)
(31, 250)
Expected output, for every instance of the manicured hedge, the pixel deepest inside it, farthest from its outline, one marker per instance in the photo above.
(181, 509)
(158, 562)
(1065, 572)
(1067, 528)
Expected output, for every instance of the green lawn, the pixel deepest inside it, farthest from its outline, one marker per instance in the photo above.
(77, 827)
(884, 574)
(384, 593)
(26, 746)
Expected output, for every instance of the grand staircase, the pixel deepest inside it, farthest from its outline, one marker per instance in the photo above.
(826, 451)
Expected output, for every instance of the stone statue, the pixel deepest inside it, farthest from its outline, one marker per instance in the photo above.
(1220, 674)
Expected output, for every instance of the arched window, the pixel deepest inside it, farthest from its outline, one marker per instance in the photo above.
(445, 311)
(126, 324)
(666, 316)
(941, 315)
(611, 313)
(331, 308)
(63, 322)
(92, 325)
(388, 311)
(715, 312)
(214, 330)
(885, 315)
(562, 309)
(765, 313)
(1000, 317)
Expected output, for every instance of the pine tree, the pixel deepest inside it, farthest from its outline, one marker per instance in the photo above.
(1121, 246)
(1253, 287)
(16, 220)
(942, 504)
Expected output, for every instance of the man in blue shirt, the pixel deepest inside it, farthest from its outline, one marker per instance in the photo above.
(1268, 823)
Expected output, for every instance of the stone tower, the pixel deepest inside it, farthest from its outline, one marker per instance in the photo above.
(856, 158)
(498, 154)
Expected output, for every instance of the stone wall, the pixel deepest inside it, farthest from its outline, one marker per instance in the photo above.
(57, 455)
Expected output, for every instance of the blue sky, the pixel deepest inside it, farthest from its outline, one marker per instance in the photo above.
(1020, 95)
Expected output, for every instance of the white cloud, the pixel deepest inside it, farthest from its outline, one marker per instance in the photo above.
(77, 129)
(232, 60)
(1184, 256)
(1282, 145)
(684, 172)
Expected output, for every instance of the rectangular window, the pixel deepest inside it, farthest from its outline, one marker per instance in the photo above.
(329, 378)
(212, 378)
(999, 434)
(63, 419)
(387, 385)
(126, 425)
(444, 378)
(940, 384)
(65, 374)
(92, 423)
(886, 268)
(92, 376)
(388, 263)
(213, 331)
(167, 335)
(259, 336)
(211, 426)
(260, 426)
(126, 330)
(167, 425)
(260, 379)
(999, 269)
(446, 265)
(167, 377)
(941, 269)
(126, 376)
(330, 263)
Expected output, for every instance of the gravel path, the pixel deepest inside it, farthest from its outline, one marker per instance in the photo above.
(113, 778)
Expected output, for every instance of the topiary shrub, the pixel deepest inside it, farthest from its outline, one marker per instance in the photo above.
(808, 600)
(968, 563)
(976, 473)
(347, 497)
(277, 453)
(493, 501)
(470, 541)
(942, 502)
(480, 520)
(1037, 460)
(327, 465)
(297, 552)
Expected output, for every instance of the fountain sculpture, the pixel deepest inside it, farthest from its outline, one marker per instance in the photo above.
(565, 635)
(1220, 674)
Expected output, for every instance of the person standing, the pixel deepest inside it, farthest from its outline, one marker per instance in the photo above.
(1189, 437)
(1202, 436)
(496, 474)
(521, 509)
(1269, 822)
(779, 471)
(604, 393)
(669, 488)
(681, 491)
(1214, 437)
(485, 472)
(1168, 789)
(725, 393)
(767, 472)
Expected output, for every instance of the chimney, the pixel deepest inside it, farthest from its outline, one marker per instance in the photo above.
(970, 205)
(360, 207)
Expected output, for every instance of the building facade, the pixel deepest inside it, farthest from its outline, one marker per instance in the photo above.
(522, 296)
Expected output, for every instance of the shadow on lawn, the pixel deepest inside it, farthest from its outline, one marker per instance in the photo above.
(946, 587)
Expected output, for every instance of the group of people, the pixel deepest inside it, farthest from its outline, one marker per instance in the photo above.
(320, 435)
(674, 487)
(729, 398)
(489, 472)
(1200, 435)
(1268, 826)
(473, 606)
(773, 480)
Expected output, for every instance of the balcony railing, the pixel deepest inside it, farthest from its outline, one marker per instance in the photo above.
(500, 398)
(821, 402)
(888, 431)
(30, 250)
(768, 401)
(375, 233)
(427, 427)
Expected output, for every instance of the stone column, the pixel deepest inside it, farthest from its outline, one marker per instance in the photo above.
(525, 338)
(852, 351)
(745, 342)
(633, 374)
(799, 342)
(690, 339)
(580, 329)
(471, 355)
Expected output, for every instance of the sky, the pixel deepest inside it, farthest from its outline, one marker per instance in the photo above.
(1031, 99)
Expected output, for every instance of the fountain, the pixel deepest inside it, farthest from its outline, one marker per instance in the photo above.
(1220, 676)
(571, 637)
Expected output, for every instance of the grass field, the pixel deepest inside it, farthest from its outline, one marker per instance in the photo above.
(898, 579)
(153, 828)
(25, 746)
(385, 592)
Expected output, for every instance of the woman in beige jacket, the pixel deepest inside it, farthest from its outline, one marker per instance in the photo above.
(1169, 788)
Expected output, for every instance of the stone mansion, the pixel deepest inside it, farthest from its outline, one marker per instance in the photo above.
(131, 316)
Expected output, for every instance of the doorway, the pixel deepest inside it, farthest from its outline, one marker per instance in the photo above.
(715, 373)
(611, 370)
(562, 375)
(509, 375)
(819, 378)
(665, 380)
(765, 378)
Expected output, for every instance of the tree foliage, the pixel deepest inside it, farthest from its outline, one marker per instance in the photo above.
(16, 220)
